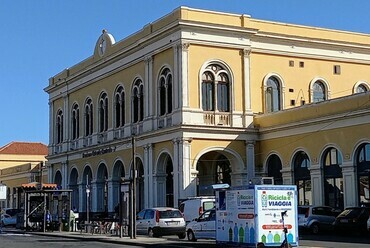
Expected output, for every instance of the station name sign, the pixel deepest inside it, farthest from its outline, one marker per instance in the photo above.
(98, 152)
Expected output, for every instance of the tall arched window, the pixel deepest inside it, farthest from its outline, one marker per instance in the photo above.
(89, 120)
(119, 106)
(216, 89)
(318, 92)
(59, 127)
(103, 113)
(75, 122)
(363, 173)
(138, 101)
(165, 92)
(302, 178)
(333, 178)
(274, 167)
(273, 95)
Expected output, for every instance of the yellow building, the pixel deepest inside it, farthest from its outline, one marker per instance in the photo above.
(213, 97)
(20, 163)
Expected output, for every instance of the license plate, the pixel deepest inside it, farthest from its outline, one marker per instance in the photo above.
(172, 223)
(344, 221)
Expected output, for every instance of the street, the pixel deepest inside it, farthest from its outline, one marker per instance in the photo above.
(10, 239)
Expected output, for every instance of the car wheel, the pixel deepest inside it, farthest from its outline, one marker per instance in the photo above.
(315, 228)
(191, 236)
(182, 235)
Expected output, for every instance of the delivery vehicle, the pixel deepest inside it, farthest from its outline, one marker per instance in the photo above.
(203, 227)
(256, 214)
(160, 221)
(195, 206)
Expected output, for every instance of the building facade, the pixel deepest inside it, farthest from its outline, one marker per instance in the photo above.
(21, 163)
(210, 97)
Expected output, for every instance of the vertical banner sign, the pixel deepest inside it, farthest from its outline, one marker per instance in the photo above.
(273, 202)
(2, 192)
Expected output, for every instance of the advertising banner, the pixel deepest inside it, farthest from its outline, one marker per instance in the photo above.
(277, 208)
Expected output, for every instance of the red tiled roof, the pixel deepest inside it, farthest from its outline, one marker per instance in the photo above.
(24, 148)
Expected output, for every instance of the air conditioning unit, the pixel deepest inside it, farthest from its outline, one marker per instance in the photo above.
(267, 180)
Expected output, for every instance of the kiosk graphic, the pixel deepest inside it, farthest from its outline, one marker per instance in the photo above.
(253, 215)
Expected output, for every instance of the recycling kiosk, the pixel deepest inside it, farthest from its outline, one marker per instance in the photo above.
(246, 216)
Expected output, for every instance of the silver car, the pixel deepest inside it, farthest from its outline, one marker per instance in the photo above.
(161, 221)
(203, 227)
(316, 218)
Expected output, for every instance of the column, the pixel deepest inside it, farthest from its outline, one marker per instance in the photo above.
(349, 185)
(183, 75)
(184, 167)
(64, 175)
(148, 83)
(176, 76)
(82, 197)
(150, 190)
(317, 184)
(94, 196)
(247, 85)
(176, 172)
(250, 162)
(51, 123)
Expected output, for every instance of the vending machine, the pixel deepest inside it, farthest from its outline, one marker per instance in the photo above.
(246, 216)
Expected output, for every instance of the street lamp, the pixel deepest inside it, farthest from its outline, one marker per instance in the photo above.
(87, 199)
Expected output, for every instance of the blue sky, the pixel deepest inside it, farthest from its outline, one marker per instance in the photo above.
(40, 38)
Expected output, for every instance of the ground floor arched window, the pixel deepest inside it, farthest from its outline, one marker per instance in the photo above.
(274, 167)
(363, 174)
(302, 178)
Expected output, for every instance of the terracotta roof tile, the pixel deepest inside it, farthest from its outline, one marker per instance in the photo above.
(24, 148)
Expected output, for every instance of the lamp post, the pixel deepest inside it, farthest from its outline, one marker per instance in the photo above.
(133, 192)
(87, 199)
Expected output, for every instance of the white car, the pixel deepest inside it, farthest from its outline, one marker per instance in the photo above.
(203, 227)
(161, 221)
(195, 206)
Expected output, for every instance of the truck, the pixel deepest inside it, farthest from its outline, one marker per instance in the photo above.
(247, 216)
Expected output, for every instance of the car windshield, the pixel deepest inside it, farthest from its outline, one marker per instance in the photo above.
(302, 210)
(350, 213)
(170, 214)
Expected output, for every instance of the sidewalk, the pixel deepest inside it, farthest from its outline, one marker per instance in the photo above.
(107, 238)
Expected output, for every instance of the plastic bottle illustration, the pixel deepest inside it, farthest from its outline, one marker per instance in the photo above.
(264, 199)
(230, 234)
(251, 235)
(236, 233)
(246, 233)
(270, 237)
(241, 234)
(290, 237)
(276, 238)
(263, 238)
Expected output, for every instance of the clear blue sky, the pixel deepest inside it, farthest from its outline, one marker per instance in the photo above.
(40, 38)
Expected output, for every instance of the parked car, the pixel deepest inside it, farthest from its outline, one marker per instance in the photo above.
(368, 224)
(316, 218)
(161, 221)
(193, 207)
(203, 227)
(353, 219)
(7, 220)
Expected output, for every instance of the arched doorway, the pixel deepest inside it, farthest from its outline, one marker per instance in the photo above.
(363, 174)
(102, 189)
(118, 173)
(302, 178)
(73, 185)
(213, 168)
(333, 178)
(139, 185)
(274, 167)
(58, 179)
(86, 184)
(164, 178)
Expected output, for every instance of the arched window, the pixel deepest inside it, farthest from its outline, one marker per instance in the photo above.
(223, 170)
(59, 127)
(302, 178)
(273, 95)
(274, 167)
(89, 118)
(75, 122)
(361, 88)
(215, 89)
(138, 101)
(103, 113)
(119, 106)
(333, 178)
(319, 93)
(165, 92)
(363, 173)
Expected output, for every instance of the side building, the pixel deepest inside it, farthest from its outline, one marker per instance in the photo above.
(21, 163)
(210, 97)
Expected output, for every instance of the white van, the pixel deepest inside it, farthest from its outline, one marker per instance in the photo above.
(193, 207)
